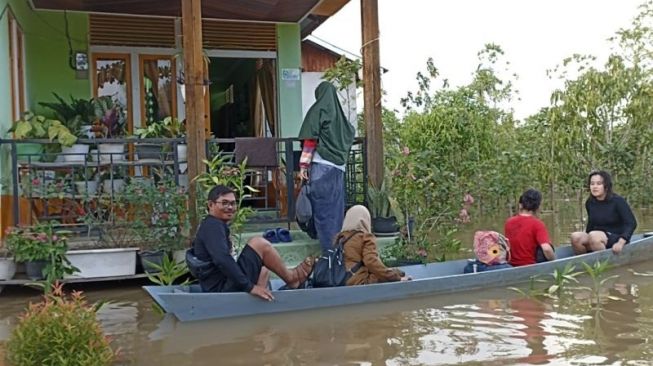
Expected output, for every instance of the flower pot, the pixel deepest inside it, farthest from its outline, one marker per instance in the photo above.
(34, 269)
(94, 155)
(148, 151)
(7, 268)
(111, 152)
(75, 153)
(29, 152)
(148, 258)
(94, 263)
(86, 187)
(87, 131)
(179, 256)
(385, 225)
(112, 185)
(183, 181)
(182, 155)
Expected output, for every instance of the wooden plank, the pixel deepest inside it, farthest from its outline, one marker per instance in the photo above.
(195, 117)
(372, 91)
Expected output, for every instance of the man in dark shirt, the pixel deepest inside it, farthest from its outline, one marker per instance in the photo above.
(249, 273)
(610, 221)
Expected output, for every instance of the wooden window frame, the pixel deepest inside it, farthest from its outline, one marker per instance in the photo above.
(16, 66)
(141, 83)
(101, 56)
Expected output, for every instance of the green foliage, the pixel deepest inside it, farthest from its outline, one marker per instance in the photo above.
(597, 273)
(379, 201)
(155, 214)
(168, 272)
(169, 127)
(221, 172)
(343, 75)
(531, 291)
(33, 126)
(60, 330)
(41, 243)
(562, 279)
(74, 114)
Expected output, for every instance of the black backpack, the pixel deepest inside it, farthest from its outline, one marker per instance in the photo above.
(329, 269)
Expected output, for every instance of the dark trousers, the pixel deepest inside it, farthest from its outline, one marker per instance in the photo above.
(328, 202)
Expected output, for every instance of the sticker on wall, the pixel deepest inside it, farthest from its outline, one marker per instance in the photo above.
(290, 74)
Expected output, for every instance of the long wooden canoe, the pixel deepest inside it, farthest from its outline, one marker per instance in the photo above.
(187, 303)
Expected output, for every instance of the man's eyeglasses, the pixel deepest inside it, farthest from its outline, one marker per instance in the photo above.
(232, 204)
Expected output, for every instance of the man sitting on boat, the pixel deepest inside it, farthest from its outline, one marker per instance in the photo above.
(528, 237)
(212, 261)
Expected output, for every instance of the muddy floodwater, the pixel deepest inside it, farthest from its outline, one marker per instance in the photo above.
(497, 326)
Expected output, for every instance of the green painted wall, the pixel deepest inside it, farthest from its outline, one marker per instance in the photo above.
(46, 53)
(45, 61)
(290, 91)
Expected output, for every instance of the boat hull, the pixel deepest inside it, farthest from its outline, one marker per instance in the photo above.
(430, 279)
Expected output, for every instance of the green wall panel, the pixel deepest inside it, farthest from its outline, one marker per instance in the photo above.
(46, 53)
(289, 67)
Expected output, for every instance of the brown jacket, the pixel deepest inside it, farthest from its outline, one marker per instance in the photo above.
(362, 248)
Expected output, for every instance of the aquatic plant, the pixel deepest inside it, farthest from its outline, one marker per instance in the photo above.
(597, 273)
(60, 330)
(562, 278)
(168, 272)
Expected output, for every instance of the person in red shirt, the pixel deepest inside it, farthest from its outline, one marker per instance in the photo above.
(528, 237)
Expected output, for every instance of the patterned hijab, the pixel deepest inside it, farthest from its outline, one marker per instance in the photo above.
(357, 218)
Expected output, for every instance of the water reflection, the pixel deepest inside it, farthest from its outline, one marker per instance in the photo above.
(493, 327)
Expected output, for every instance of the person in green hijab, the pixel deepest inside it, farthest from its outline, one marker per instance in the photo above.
(326, 137)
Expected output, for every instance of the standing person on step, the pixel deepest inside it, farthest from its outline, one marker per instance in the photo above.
(528, 237)
(610, 221)
(212, 250)
(327, 138)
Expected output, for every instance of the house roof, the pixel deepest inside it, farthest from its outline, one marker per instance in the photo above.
(309, 13)
(334, 50)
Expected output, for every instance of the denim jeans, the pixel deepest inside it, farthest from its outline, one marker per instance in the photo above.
(328, 202)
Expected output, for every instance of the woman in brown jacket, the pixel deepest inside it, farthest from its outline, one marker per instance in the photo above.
(361, 248)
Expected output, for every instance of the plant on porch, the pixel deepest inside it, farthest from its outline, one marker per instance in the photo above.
(74, 115)
(42, 249)
(33, 126)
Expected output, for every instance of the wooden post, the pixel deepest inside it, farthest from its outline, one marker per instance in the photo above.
(191, 14)
(372, 91)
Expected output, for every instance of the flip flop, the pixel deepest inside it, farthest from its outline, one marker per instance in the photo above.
(283, 235)
(271, 235)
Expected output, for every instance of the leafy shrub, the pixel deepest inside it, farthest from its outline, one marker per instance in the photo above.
(59, 330)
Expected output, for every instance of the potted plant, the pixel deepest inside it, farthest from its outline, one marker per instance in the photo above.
(32, 126)
(383, 222)
(85, 181)
(113, 180)
(77, 116)
(7, 265)
(42, 249)
(170, 128)
(111, 124)
(158, 218)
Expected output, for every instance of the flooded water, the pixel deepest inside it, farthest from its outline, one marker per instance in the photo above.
(489, 327)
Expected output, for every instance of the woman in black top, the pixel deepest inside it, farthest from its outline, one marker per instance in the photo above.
(610, 221)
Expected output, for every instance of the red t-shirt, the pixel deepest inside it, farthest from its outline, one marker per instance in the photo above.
(525, 233)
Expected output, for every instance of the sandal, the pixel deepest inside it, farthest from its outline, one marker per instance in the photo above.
(303, 270)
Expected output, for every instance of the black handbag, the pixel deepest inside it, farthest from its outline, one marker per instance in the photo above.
(329, 270)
